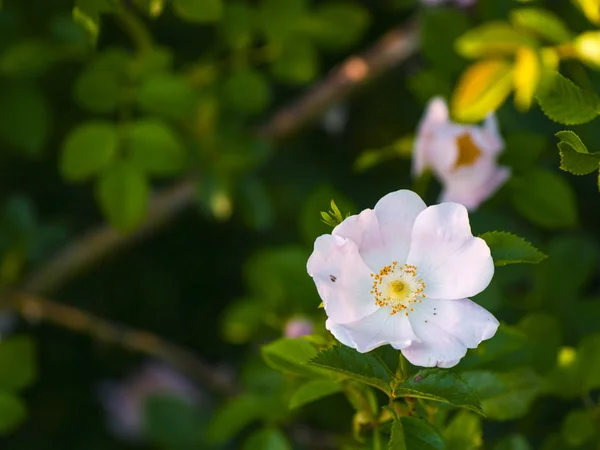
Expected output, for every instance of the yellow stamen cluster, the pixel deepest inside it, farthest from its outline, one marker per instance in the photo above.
(468, 152)
(398, 287)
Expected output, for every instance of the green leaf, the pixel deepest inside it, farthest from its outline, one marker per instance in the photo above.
(588, 356)
(290, 356)
(199, 11)
(313, 390)
(171, 421)
(235, 415)
(267, 439)
(574, 155)
(492, 39)
(12, 412)
(464, 432)
(397, 441)
(504, 396)
(546, 199)
(18, 363)
(416, 434)
(155, 148)
(98, 87)
(24, 117)
(507, 248)
(481, 89)
(578, 427)
(167, 94)
(297, 63)
(247, 91)
(565, 102)
(281, 20)
(364, 367)
(238, 24)
(440, 386)
(122, 191)
(336, 25)
(97, 91)
(88, 149)
(513, 442)
(542, 22)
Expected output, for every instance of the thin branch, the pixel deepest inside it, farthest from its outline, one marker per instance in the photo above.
(93, 246)
(35, 308)
(393, 48)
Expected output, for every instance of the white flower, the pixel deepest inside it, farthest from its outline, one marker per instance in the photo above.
(400, 274)
(463, 157)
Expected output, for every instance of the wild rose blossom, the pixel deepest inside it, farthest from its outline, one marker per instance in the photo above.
(125, 401)
(401, 274)
(462, 157)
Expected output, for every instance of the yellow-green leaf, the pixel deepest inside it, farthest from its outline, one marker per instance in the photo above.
(528, 72)
(587, 48)
(591, 9)
(492, 39)
(482, 88)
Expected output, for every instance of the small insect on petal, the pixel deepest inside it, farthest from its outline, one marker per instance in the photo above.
(332, 278)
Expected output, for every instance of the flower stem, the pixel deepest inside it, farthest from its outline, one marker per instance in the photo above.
(136, 28)
(377, 439)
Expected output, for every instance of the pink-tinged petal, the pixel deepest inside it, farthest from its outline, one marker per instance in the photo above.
(472, 185)
(436, 114)
(375, 330)
(463, 319)
(363, 230)
(487, 138)
(436, 347)
(342, 278)
(452, 263)
(435, 119)
(396, 214)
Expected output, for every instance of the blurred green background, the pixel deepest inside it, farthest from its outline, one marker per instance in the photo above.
(174, 90)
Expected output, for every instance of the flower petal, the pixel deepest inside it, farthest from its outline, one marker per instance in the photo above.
(472, 185)
(396, 213)
(452, 263)
(463, 318)
(435, 118)
(436, 346)
(363, 230)
(375, 330)
(342, 279)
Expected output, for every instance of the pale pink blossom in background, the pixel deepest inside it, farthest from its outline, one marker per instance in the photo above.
(298, 327)
(125, 401)
(464, 158)
(401, 274)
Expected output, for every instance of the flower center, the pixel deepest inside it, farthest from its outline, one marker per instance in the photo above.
(468, 152)
(398, 287)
